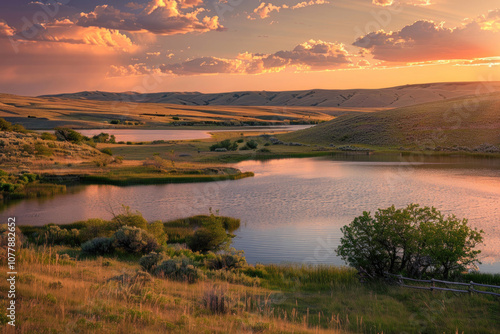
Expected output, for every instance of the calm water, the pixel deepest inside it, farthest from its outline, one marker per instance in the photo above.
(135, 135)
(292, 210)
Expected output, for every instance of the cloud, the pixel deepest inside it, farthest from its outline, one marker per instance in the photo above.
(6, 30)
(264, 10)
(65, 31)
(385, 3)
(162, 17)
(311, 55)
(427, 40)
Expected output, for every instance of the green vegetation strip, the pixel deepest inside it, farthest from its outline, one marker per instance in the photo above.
(146, 179)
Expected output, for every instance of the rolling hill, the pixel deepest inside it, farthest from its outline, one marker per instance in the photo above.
(467, 122)
(50, 112)
(393, 97)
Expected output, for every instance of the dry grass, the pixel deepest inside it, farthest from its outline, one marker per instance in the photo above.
(51, 112)
(56, 295)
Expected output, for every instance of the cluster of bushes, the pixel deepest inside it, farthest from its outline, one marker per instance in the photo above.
(104, 138)
(133, 240)
(225, 144)
(250, 145)
(7, 126)
(16, 186)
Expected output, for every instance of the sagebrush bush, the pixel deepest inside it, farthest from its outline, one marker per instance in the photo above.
(54, 235)
(150, 261)
(232, 260)
(98, 246)
(135, 240)
(179, 269)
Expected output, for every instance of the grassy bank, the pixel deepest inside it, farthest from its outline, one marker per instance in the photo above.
(145, 179)
(178, 290)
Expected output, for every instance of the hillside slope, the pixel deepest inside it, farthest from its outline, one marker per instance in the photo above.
(393, 97)
(50, 112)
(464, 122)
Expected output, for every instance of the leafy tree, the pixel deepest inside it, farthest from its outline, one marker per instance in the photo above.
(414, 241)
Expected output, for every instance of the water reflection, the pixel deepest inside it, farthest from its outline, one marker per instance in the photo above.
(292, 210)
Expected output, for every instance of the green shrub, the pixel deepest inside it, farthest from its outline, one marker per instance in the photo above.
(175, 118)
(227, 261)
(42, 149)
(129, 218)
(241, 140)
(264, 150)
(135, 240)
(251, 144)
(150, 261)
(107, 151)
(54, 235)
(98, 246)
(94, 228)
(225, 144)
(48, 136)
(210, 237)
(158, 231)
(179, 269)
(65, 134)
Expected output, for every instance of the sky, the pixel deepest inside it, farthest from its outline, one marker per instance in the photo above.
(64, 46)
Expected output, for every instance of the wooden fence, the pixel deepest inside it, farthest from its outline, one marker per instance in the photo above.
(465, 287)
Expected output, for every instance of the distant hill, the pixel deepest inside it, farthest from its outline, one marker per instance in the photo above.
(464, 122)
(352, 98)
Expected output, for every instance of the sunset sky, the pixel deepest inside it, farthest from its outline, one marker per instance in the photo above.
(229, 45)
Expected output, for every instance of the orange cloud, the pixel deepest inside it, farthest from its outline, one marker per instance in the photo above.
(6, 30)
(311, 55)
(162, 17)
(426, 40)
(264, 10)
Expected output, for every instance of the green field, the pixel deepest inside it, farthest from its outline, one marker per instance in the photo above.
(464, 122)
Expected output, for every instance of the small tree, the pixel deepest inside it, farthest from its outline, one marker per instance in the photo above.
(211, 236)
(415, 241)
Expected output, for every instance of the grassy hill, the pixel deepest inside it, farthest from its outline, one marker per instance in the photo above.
(50, 112)
(466, 122)
(392, 97)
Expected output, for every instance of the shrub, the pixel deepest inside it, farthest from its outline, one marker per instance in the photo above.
(227, 261)
(129, 218)
(98, 246)
(414, 241)
(95, 227)
(150, 261)
(241, 140)
(65, 134)
(54, 235)
(158, 231)
(175, 118)
(42, 149)
(210, 237)
(48, 136)
(225, 144)
(264, 150)
(179, 269)
(115, 121)
(251, 144)
(134, 240)
(107, 151)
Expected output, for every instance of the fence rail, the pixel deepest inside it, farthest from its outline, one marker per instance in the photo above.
(470, 286)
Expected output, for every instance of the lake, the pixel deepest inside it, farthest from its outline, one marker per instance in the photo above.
(292, 210)
(135, 135)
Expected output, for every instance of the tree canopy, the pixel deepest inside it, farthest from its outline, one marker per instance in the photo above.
(415, 241)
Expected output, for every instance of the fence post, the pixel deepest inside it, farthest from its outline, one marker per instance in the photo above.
(433, 284)
(471, 287)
